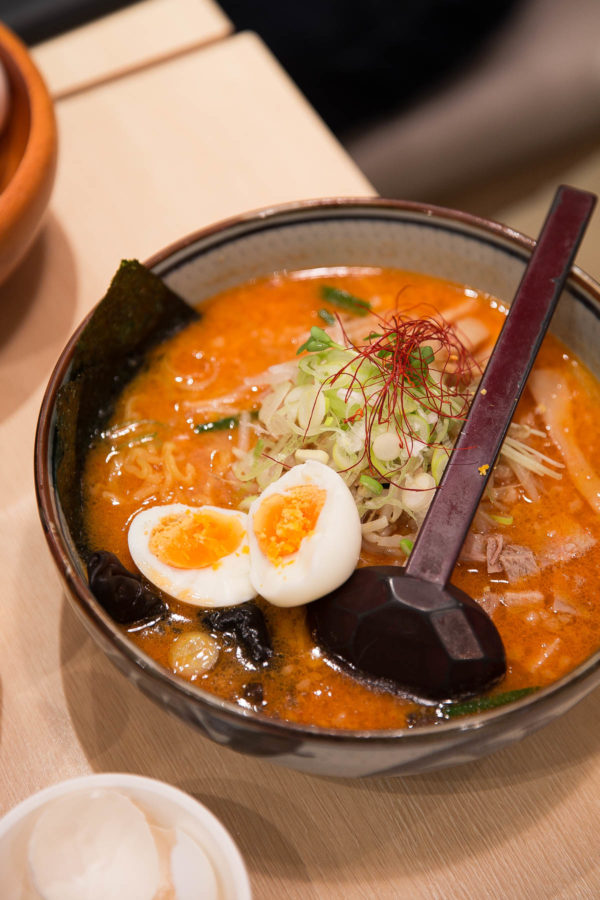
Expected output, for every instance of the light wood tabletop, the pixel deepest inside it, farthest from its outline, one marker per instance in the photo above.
(145, 158)
(135, 36)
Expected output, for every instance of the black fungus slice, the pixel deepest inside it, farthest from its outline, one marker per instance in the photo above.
(253, 692)
(246, 625)
(122, 593)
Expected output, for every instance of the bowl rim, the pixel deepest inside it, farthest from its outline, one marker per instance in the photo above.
(88, 607)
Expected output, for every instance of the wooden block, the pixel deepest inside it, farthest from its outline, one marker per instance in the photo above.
(126, 40)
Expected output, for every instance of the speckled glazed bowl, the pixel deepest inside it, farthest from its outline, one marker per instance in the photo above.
(449, 244)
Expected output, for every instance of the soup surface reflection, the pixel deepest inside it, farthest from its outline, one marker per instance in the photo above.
(533, 555)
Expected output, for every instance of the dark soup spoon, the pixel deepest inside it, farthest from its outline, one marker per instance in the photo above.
(410, 627)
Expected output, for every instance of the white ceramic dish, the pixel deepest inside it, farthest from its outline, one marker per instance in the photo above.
(167, 805)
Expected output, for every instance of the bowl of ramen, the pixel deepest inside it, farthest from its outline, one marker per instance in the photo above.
(269, 404)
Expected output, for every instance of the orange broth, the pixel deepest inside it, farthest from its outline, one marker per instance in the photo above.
(240, 333)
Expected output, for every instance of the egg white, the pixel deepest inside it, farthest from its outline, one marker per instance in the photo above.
(325, 558)
(224, 583)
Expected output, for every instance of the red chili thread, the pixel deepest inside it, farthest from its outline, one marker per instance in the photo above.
(396, 349)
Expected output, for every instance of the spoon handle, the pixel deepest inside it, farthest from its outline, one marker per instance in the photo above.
(443, 532)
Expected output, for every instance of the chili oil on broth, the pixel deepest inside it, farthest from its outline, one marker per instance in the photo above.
(205, 373)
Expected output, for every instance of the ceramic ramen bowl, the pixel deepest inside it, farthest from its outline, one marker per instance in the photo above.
(28, 146)
(441, 242)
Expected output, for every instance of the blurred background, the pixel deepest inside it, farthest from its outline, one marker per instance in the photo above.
(448, 101)
(458, 102)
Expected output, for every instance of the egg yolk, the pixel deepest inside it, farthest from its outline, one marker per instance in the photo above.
(195, 540)
(282, 521)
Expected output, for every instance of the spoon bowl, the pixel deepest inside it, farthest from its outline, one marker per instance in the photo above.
(439, 643)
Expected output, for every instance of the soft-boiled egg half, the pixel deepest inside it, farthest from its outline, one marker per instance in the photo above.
(304, 534)
(199, 555)
(300, 540)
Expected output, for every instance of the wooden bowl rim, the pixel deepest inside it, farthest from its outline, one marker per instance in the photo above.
(36, 169)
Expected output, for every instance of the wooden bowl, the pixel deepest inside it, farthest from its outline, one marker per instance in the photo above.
(28, 147)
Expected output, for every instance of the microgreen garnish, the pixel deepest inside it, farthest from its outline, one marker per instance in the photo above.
(420, 360)
(318, 340)
(326, 316)
(345, 300)
(417, 362)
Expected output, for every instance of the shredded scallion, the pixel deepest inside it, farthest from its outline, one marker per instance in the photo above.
(384, 414)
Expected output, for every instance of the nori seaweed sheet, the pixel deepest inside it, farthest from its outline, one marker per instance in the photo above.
(137, 312)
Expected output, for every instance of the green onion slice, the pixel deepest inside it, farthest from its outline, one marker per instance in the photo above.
(218, 424)
(371, 484)
(326, 317)
(406, 545)
(480, 704)
(345, 300)
(502, 520)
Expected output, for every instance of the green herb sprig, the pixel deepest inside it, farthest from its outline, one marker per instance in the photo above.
(318, 340)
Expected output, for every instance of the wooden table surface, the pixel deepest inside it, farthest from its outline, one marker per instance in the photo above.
(144, 158)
